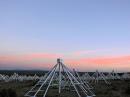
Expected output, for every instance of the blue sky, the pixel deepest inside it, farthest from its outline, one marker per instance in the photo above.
(65, 26)
(90, 24)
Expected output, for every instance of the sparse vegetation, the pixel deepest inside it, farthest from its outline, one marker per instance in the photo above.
(8, 93)
(127, 90)
(117, 88)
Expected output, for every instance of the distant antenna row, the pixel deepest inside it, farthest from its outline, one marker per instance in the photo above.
(87, 76)
(63, 80)
(17, 77)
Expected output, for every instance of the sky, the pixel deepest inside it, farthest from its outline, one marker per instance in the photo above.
(88, 35)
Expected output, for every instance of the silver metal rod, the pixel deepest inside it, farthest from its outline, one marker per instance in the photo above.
(72, 82)
(39, 81)
(59, 77)
(45, 80)
(49, 83)
(75, 80)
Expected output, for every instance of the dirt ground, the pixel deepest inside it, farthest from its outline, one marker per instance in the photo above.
(117, 88)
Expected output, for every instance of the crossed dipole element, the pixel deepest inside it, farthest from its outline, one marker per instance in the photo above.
(99, 76)
(113, 75)
(61, 78)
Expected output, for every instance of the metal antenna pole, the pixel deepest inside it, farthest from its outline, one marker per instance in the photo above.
(59, 64)
(49, 83)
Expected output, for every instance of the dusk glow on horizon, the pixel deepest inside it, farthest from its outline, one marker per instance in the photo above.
(89, 35)
(44, 61)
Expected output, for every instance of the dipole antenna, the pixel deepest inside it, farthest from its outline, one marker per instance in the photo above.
(60, 77)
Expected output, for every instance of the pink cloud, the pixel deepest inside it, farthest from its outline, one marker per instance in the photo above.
(28, 57)
(103, 60)
(33, 60)
(42, 55)
(47, 60)
(83, 52)
(110, 62)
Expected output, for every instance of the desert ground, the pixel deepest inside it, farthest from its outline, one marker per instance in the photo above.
(116, 88)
